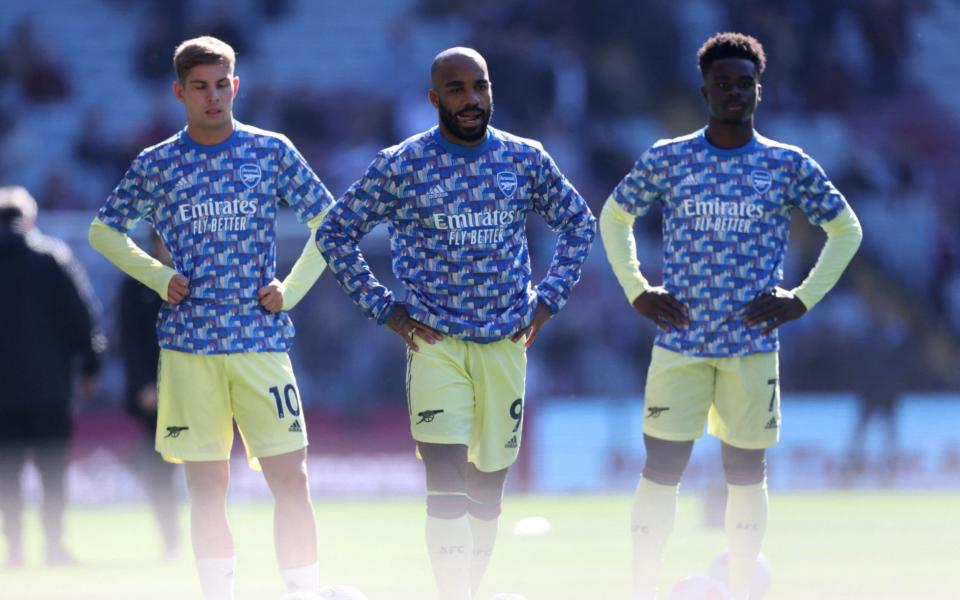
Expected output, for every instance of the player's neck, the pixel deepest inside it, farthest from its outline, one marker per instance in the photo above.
(210, 137)
(453, 139)
(727, 135)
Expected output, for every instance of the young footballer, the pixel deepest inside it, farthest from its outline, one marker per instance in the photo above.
(212, 192)
(456, 198)
(726, 194)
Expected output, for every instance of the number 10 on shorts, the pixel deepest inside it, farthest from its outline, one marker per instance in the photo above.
(289, 398)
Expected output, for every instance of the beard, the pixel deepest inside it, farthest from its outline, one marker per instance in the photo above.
(472, 134)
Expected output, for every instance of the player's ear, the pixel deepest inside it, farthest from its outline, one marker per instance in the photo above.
(178, 90)
(759, 93)
(236, 84)
(434, 98)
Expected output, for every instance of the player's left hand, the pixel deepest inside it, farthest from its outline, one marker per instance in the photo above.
(775, 309)
(271, 297)
(541, 316)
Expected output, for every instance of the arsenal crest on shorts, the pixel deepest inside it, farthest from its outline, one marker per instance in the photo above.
(507, 180)
(250, 175)
(761, 180)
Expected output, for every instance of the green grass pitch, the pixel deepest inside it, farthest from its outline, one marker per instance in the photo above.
(831, 546)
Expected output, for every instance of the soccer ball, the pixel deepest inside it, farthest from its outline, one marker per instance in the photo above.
(340, 592)
(331, 592)
(699, 587)
(507, 597)
(761, 575)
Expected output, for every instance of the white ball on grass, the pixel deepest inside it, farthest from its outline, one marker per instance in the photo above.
(330, 592)
(532, 526)
(699, 587)
(760, 584)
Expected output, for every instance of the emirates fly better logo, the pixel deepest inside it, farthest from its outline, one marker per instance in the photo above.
(472, 228)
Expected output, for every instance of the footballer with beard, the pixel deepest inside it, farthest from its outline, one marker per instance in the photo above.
(456, 199)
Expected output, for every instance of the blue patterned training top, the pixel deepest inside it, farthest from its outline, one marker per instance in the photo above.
(726, 220)
(457, 223)
(215, 208)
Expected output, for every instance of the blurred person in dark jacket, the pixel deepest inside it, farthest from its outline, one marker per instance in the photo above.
(49, 333)
(139, 306)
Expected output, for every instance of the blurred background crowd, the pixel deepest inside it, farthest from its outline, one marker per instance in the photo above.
(867, 88)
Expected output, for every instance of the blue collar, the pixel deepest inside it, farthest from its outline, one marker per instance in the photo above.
(189, 141)
(728, 151)
(463, 151)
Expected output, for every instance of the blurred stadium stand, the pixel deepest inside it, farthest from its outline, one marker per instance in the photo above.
(868, 88)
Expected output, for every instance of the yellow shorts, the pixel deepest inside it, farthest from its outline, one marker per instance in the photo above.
(466, 393)
(738, 397)
(200, 396)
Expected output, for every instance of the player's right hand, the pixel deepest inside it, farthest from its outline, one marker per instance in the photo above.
(177, 289)
(407, 327)
(658, 305)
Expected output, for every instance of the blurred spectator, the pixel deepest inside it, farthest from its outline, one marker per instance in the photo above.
(884, 25)
(273, 10)
(94, 149)
(163, 32)
(139, 306)
(221, 23)
(59, 191)
(41, 75)
(50, 326)
(879, 387)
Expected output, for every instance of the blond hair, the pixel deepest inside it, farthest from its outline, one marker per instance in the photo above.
(204, 50)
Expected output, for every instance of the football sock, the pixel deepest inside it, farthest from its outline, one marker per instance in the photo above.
(746, 523)
(654, 511)
(216, 577)
(450, 545)
(306, 578)
(484, 536)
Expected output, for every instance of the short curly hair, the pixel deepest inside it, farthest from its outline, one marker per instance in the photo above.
(731, 45)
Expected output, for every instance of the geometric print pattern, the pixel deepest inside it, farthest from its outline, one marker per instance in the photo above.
(215, 207)
(726, 222)
(457, 223)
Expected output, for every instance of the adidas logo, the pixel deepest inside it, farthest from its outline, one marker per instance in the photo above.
(689, 180)
(295, 428)
(512, 443)
(182, 184)
(772, 423)
(436, 192)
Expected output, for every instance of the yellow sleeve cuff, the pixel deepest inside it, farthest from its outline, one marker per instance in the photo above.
(616, 231)
(118, 248)
(844, 235)
(306, 270)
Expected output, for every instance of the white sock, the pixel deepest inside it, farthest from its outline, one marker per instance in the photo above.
(654, 511)
(216, 577)
(746, 524)
(302, 579)
(450, 544)
(484, 536)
